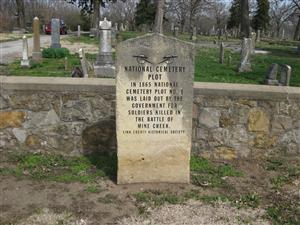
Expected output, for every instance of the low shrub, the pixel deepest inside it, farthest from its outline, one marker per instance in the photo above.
(55, 52)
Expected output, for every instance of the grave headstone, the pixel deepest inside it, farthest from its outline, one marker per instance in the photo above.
(76, 73)
(122, 28)
(271, 78)
(25, 60)
(194, 35)
(93, 32)
(114, 33)
(55, 33)
(245, 65)
(221, 58)
(78, 31)
(253, 40)
(154, 109)
(229, 60)
(283, 34)
(258, 36)
(104, 65)
(36, 52)
(285, 75)
(83, 63)
(66, 63)
(116, 27)
(176, 31)
(172, 27)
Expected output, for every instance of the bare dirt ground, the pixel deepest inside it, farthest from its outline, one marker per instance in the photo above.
(268, 192)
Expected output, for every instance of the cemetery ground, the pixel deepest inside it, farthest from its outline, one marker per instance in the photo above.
(207, 66)
(39, 188)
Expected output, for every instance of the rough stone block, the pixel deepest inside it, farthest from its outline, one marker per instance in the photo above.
(258, 121)
(11, 119)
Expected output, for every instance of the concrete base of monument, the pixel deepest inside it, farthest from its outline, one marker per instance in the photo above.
(25, 63)
(105, 71)
(244, 68)
(55, 45)
(36, 56)
(165, 167)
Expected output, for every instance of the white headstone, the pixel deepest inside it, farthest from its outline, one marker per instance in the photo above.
(78, 31)
(25, 59)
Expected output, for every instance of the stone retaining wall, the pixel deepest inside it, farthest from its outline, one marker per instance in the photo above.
(75, 116)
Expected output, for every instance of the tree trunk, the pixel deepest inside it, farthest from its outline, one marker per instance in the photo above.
(96, 14)
(21, 13)
(158, 27)
(245, 22)
(192, 22)
(297, 31)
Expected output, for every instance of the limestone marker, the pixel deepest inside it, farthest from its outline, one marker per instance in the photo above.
(155, 77)
(25, 61)
(36, 52)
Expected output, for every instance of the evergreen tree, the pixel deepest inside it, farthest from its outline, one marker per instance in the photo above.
(235, 15)
(261, 17)
(145, 13)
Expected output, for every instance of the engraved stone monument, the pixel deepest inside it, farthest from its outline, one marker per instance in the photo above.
(271, 78)
(285, 75)
(155, 77)
(245, 65)
(104, 65)
(36, 52)
(55, 33)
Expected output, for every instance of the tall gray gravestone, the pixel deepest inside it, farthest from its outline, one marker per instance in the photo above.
(176, 31)
(194, 34)
(155, 77)
(245, 65)
(104, 65)
(285, 75)
(222, 52)
(271, 77)
(55, 33)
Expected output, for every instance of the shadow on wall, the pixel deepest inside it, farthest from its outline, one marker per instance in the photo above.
(100, 138)
(99, 144)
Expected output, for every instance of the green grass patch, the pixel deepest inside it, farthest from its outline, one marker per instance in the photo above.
(55, 53)
(93, 189)
(251, 200)
(83, 39)
(205, 173)
(284, 211)
(286, 172)
(49, 67)
(58, 168)
(156, 198)
(208, 68)
(125, 35)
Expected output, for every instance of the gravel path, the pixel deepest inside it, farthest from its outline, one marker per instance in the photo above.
(197, 213)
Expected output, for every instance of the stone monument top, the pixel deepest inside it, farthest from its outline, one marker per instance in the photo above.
(105, 24)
